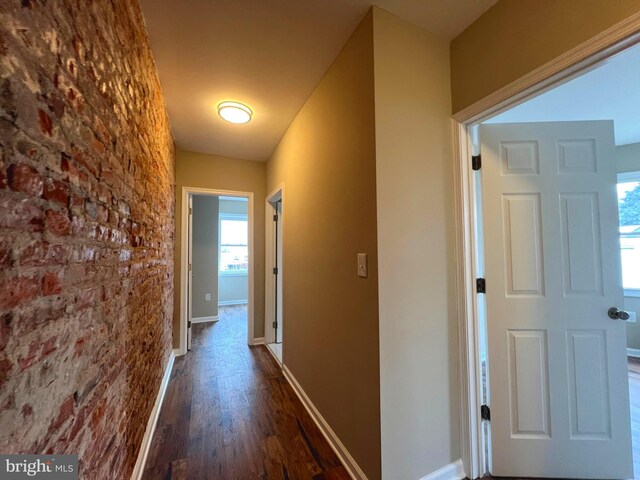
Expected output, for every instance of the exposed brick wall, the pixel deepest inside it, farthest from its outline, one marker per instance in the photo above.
(86, 231)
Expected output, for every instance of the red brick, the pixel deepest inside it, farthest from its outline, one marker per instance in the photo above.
(26, 179)
(87, 161)
(5, 255)
(6, 329)
(78, 423)
(44, 253)
(108, 177)
(65, 411)
(41, 314)
(16, 291)
(29, 359)
(51, 284)
(46, 125)
(27, 410)
(5, 370)
(49, 346)
(56, 191)
(88, 298)
(20, 213)
(57, 223)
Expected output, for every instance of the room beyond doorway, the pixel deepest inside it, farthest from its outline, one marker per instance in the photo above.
(217, 261)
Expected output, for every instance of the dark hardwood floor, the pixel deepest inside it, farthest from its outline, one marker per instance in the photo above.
(230, 414)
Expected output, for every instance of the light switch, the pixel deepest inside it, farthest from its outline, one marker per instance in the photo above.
(207, 297)
(362, 265)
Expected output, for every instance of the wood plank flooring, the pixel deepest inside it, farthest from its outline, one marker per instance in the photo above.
(229, 414)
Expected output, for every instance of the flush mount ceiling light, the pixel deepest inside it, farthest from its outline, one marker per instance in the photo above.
(235, 112)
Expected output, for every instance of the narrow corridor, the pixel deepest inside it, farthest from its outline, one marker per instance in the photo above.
(229, 413)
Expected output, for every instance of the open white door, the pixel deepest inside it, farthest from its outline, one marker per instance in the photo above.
(557, 362)
(190, 269)
(278, 253)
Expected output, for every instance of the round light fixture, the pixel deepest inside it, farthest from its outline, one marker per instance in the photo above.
(235, 112)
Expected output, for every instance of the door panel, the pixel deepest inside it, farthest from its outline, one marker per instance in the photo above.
(190, 271)
(279, 243)
(557, 363)
(529, 384)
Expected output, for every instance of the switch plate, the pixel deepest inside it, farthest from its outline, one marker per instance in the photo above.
(362, 265)
(207, 297)
(632, 317)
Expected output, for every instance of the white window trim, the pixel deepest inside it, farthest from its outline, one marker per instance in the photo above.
(627, 177)
(229, 216)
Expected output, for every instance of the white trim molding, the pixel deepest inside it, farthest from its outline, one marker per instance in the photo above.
(232, 302)
(277, 194)
(633, 352)
(258, 341)
(453, 471)
(138, 469)
(567, 66)
(186, 193)
(563, 68)
(213, 318)
(177, 352)
(338, 447)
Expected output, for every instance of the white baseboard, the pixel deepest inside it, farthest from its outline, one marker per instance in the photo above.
(233, 302)
(453, 471)
(633, 352)
(258, 341)
(177, 352)
(138, 469)
(213, 318)
(341, 451)
(273, 354)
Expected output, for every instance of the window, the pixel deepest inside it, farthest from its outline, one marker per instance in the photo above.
(234, 249)
(629, 208)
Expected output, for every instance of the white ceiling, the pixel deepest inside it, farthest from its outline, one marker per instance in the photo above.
(609, 92)
(269, 54)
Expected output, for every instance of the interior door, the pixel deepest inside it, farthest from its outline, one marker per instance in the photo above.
(190, 271)
(557, 363)
(278, 207)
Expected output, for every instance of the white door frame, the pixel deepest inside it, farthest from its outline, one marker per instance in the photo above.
(569, 65)
(184, 272)
(269, 290)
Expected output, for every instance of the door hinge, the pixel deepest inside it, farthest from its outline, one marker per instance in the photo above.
(476, 162)
(274, 324)
(190, 211)
(275, 270)
(189, 324)
(481, 285)
(485, 413)
(189, 267)
(275, 218)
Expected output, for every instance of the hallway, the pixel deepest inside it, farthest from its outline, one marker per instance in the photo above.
(230, 414)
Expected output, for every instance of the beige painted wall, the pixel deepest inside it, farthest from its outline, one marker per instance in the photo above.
(210, 171)
(515, 37)
(205, 256)
(628, 160)
(326, 161)
(418, 329)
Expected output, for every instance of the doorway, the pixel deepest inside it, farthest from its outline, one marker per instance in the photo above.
(274, 317)
(216, 268)
(545, 349)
